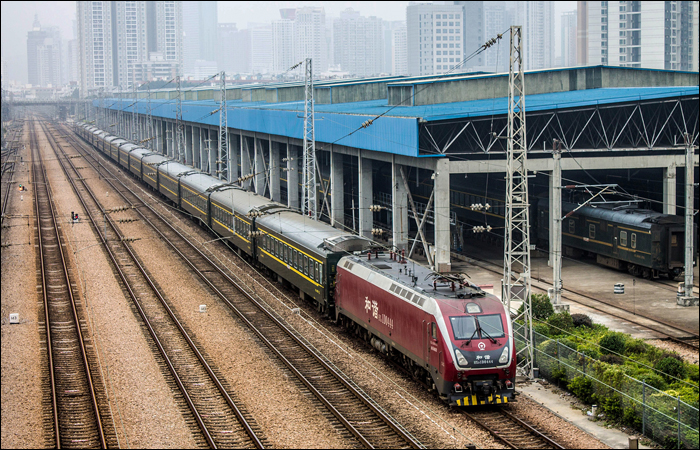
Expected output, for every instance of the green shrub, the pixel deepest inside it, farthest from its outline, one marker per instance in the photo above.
(654, 380)
(541, 307)
(635, 346)
(582, 320)
(671, 368)
(541, 328)
(589, 350)
(685, 392)
(693, 372)
(612, 359)
(612, 342)
(582, 387)
(612, 407)
(631, 417)
(559, 376)
(560, 323)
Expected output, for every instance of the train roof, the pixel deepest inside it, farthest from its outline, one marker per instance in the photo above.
(239, 200)
(152, 158)
(306, 231)
(422, 286)
(199, 181)
(626, 215)
(174, 168)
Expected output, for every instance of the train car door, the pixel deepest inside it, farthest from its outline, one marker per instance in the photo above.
(676, 247)
(616, 233)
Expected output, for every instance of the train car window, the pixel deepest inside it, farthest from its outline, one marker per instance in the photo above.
(623, 238)
(315, 271)
(306, 265)
(433, 330)
(320, 272)
(463, 326)
(491, 324)
(633, 238)
(572, 226)
(296, 259)
(591, 230)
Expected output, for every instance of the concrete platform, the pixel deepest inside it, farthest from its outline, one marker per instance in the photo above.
(647, 297)
(561, 407)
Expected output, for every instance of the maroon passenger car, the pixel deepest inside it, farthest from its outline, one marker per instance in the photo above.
(444, 329)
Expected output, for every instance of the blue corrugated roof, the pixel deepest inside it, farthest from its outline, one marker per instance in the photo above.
(397, 131)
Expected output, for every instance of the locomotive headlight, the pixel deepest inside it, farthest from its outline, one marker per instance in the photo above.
(461, 360)
(504, 356)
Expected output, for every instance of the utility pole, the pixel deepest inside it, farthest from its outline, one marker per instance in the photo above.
(150, 134)
(556, 224)
(689, 202)
(222, 160)
(134, 127)
(516, 268)
(178, 123)
(309, 182)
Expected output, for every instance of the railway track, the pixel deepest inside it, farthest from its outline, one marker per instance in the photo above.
(509, 429)
(9, 161)
(222, 421)
(594, 303)
(79, 413)
(344, 402)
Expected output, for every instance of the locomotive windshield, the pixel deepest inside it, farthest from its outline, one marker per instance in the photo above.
(465, 327)
(492, 325)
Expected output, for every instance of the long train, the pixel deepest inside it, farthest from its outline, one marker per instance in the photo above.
(445, 330)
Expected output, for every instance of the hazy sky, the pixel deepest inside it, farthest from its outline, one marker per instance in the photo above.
(17, 19)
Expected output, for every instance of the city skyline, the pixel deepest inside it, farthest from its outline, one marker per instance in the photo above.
(18, 18)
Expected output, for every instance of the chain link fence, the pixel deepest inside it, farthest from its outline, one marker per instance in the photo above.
(636, 403)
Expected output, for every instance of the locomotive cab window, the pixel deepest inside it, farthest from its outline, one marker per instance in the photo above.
(633, 239)
(492, 325)
(623, 238)
(463, 327)
(591, 231)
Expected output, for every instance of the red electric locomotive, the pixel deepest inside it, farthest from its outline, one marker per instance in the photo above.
(441, 327)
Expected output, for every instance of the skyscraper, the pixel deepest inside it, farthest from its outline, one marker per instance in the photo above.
(115, 36)
(226, 35)
(568, 38)
(310, 37)
(649, 34)
(537, 20)
(261, 48)
(44, 55)
(434, 39)
(282, 45)
(358, 43)
(200, 21)
(399, 65)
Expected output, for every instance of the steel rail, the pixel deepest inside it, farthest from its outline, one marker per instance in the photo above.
(41, 182)
(177, 323)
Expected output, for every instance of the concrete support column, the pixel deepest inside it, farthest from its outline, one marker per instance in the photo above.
(552, 184)
(399, 208)
(292, 177)
(188, 144)
(234, 143)
(246, 168)
(275, 174)
(213, 152)
(365, 219)
(669, 189)
(259, 160)
(337, 191)
(196, 147)
(442, 215)
(168, 138)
